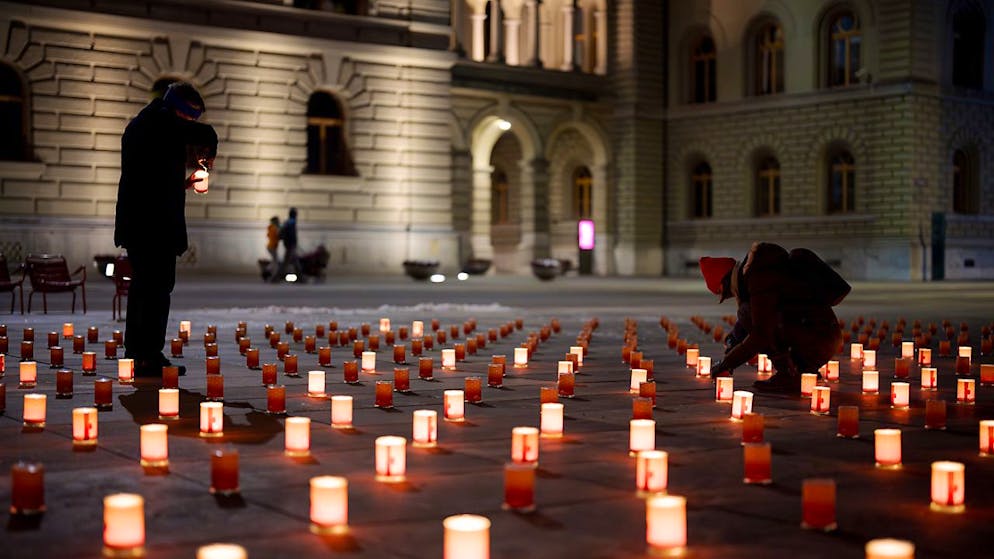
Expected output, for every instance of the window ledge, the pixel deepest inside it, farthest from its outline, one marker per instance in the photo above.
(31, 170)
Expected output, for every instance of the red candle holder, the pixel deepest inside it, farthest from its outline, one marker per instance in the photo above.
(92, 334)
(269, 374)
(78, 344)
(460, 351)
(566, 384)
(103, 394)
(417, 346)
(55, 356)
(215, 387)
(332, 325)
(282, 349)
(358, 347)
(298, 335)
(635, 359)
(63, 383)
(481, 342)
(519, 486)
(902, 367)
(27, 488)
(492, 335)
(290, 365)
(548, 394)
(374, 342)
(470, 346)
(401, 379)
(319, 331)
(310, 344)
(641, 408)
(472, 389)
(384, 394)
(274, 340)
(434, 324)
(454, 331)
(28, 334)
(648, 390)
(389, 337)
(428, 342)
(224, 472)
(176, 347)
(962, 365)
(818, 504)
(935, 414)
(350, 371)
(848, 426)
(945, 348)
(757, 467)
(364, 328)
(170, 376)
(753, 426)
(244, 344)
(495, 375)
(53, 339)
(402, 333)
(213, 365)
(426, 368)
(441, 337)
(89, 365)
(288, 326)
(399, 354)
(27, 350)
(353, 334)
(276, 399)
(210, 338)
(210, 350)
(252, 358)
(110, 349)
(324, 356)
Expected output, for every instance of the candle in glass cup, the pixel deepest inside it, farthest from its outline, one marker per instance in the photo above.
(723, 389)
(269, 374)
(368, 361)
(391, 459)
(666, 524)
(467, 536)
(27, 488)
(118, 337)
(67, 330)
(741, 404)
(441, 336)
(757, 463)
(888, 548)
(329, 497)
(324, 356)
(401, 380)
(935, 414)
(244, 344)
(221, 551)
(495, 375)
(962, 365)
(274, 342)
(374, 342)
(818, 504)
(34, 410)
(454, 406)
(425, 368)
(552, 420)
(948, 486)
(185, 326)
(472, 388)
(213, 365)
(924, 356)
(176, 347)
(566, 384)
(27, 350)
(899, 395)
(316, 384)
(282, 350)
(929, 378)
(92, 334)
(869, 359)
(641, 435)
(168, 403)
(692, 356)
(848, 423)
(887, 447)
(521, 357)
(524, 445)
(215, 388)
(126, 370)
(89, 365)
(84, 427)
(28, 374)
(211, 419)
(55, 357)
(350, 372)
(425, 429)
(210, 350)
(384, 394)
(460, 352)
(417, 329)
(871, 382)
(290, 365)
(124, 525)
(417, 347)
(519, 487)
(753, 425)
(275, 399)
(154, 445)
(548, 394)
(103, 394)
(966, 392)
(651, 472)
(808, 383)
(252, 358)
(78, 344)
(297, 437)
(341, 412)
(703, 366)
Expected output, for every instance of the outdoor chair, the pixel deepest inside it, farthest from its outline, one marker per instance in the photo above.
(8, 284)
(49, 273)
(122, 282)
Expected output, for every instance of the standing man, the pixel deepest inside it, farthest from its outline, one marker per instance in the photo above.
(288, 232)
(161, 149)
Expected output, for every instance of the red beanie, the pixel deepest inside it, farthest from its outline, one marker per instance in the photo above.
(714, 270)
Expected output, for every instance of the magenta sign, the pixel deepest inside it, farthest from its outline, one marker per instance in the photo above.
(585, 234)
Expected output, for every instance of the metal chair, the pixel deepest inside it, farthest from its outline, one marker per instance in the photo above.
(8, 284)
(49, 273)
(122, 282)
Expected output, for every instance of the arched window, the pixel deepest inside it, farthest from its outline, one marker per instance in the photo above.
(968, 48)
(769, 59)
(964, 184)
(583, 185)
(700, 183)
(845, 41)
(703, 73)
(500, 199)
(841, 182)
(327, 153)
(768, 188)
(14, 145)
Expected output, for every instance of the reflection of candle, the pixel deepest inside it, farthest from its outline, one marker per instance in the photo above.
(425, 428)
(329, 505)
(368, 361)
(723, 388)
(384, 394)
(454, 406)
(168, 403)
(871, 382)
(224, 472)
(84, 426)
(741, 404)
(391, 458)
(467, 536)
(948, 486)
(637, 376)
(651, 472)
(102, 394)
(966, 392)
(641, 435)
(315, 384)
(818, 504)
(124, 525)
(297, 436)
(425, 368)
(848, 425)
(987, 437)
(666, 524)
(154, 446)
(552, 420)
(887, 548)
(34, 410)
(757, 463)
(341, 412)
(28, 374)
(519, 487)
(27, 488)
(211, 419)
(524, 445)
(887, 447)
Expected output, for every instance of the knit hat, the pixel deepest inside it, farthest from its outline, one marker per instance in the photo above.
(714, 271)
(184, 98)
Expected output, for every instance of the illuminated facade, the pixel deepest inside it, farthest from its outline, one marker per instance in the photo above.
(429, 129)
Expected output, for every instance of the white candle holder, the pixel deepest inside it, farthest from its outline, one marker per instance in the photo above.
(297, 437)
(449, 359)
(341, 412)
(870, 359)
(723, 389)
(329, 505)
(641, 435)
(651, 472)
(154, 445)
(907, 350)
(948, 486)
(391, 459)
(384, 325)
(316, 384)
(221, 551)
(899, 395)
(763, 363)
(987, 437)
(693, 354)
(888, 548)
(578, 352)
(887, 448)
(126, 370)
(520, 357)
(741, 404)
(856, 352)
(124, 525)
(564, 367)
(84, 427)
(524, 445)
(467, 536)
(808, 382)
(704, 366)
(871, 382)
(211, 419)
(638, 376)
(168, 404)
(930, 378)
(455, 407)
(35, 410)
(369, 361)
(666, 525)
(966, 391)
(28, 374)
(417, 329)
(552, 420)
(821, 398)
(425, 429)
(832, 371)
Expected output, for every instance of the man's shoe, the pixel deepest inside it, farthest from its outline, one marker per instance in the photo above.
(779, 383)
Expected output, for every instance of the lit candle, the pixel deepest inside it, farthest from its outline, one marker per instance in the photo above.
(473, 389)
(651, 472)
(368, 361)
(126, 371)
(962, 365)
(374, 342)
(185, 326)
(92, 334)
(341, 412)
(818, 504)
(966, 392)
(566, 384)
(269, 374)
(221, 551)
(520, 357)
(27, 350)
(808, 382)
(848, 426)
(887, 447)
(948, 486)
(329, 505)
(832, 371)
(925, 356)
(871, 382)
(103, 389)
(547, 394)
(290, 365)
(899, 395)
(400, 353)
(78, 344)
(215, 388)
(666, 524)
(391, 459)
(210, 350)
(935, 414)
(176, 347)
(401, 380)
(757, 463)
(763, 363)
(641, 408)
(350, 372)
(27, 488)
(856, 351)
(384, 394)
(224, 472)
(212, 365)
(741, 404)
(252, 358)
(449, 359)
(887, 548)
(417, 346)
(84, 426)
(641, 435)
(34, 410)
(902, 367)
(89, 363)
(987, 437)
(425, 429)
(324, 356)
(986, 374)
(460, 350)
(297, 436)
(723, 388)
(637, 376)
(552, 420)
(244, 344)
(495, 375)
(315, 384)
(417, 329)
(454, 405)
(564, 367)
(519, 487)
(211, 419)
(426, 368)
(67, 330)
(467, 536)
(124, 525)
(869, 359)
(692, 356)
(524, 445)
(907, 350)
(578, 352)
(168, 403)
(55, 357)
(154, 446)
(753, 425)
(703, 366)
(820, 400)
(929, 378)
(28, 371)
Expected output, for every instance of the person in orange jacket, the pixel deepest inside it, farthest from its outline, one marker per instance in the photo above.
(272, 243)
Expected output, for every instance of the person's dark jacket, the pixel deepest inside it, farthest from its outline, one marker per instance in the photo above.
(159, 151)
(288, 232)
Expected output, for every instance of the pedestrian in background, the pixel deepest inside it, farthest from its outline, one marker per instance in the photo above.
(288, 234)
(272, 244)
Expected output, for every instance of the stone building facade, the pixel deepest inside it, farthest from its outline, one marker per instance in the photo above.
(429, 129)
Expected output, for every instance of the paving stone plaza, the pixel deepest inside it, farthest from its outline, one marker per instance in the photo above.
(585, 499)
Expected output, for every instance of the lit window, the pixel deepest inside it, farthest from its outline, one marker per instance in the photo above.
(13, 121)
(500, 201)
(841, 183)
(768, 188)
(582, 190)
(700, 181)
(845, 45)
(703, 71)
(769, 59)
(327, 153)
(968, 49)
(964, 184)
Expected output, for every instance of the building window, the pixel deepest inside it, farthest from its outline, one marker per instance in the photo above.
(769, 59)
(841, 183)
(968, 49)
(13, 116)
(844, 52)
(500, 199)
(327, 153)
(964, 184)
(768, 188)
(579, 38)
(582, 192)
(703, 74)
(351, 7)
(700, 181)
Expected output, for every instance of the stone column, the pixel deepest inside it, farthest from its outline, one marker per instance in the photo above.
(512, 41)
(456, 23)
(480, 233)
(534, 57)
(477, 31)
(495, 38)
(600, 24)
(603, 237)
(535, 239)
(567, 43)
